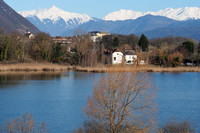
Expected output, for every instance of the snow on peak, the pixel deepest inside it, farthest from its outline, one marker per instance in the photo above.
(123, 15)
(54, 14)
(177, 14)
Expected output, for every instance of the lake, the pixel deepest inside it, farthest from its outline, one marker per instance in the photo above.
(58, 98)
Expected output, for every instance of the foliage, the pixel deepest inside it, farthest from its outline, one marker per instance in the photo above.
(178, 127)
(198, 49)
(143, 43)
(7, 43)
(175, 59)
(84, 51)
(41, 47)
(189, 45)
(116, 42)
(108, 41)
(24, 124)
(113, 41)
(121, 102)
(168, 42)
(4, 49)
(56, 53)
(17, 48)
(159, 57)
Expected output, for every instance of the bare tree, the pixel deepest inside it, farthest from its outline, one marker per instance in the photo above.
(121, 102)
(23, 124)
(175, 126)
(84, 51)
(175, 59)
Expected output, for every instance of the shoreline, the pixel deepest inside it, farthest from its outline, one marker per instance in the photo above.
(49, 67)
(32, 67)
(136, 69)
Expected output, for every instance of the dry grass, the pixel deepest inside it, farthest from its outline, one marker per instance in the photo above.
(47, 67)
(30, 67)
(138, 68)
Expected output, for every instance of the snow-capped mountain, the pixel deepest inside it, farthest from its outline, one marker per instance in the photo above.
(180, 14)
(55, 20)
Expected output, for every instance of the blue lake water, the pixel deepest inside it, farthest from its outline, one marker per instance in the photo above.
(58, 99)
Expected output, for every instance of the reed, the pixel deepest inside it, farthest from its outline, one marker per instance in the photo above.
(136, 68)
(47, 67)
(28, 67)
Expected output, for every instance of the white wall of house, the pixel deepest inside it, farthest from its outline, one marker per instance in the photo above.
(130, 59)
(117, 57)
(93, 38)
(101, 34)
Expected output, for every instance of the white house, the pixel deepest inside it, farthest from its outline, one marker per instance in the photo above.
(94, 38)
(130, 57)
(117, 57)
(29, 35)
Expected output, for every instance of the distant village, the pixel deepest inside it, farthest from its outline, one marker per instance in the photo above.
(128, 56)
(100, 48)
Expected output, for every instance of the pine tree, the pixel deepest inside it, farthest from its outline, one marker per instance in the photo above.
(143, 43)
(6, 49)
(116, 42)
(189, 45)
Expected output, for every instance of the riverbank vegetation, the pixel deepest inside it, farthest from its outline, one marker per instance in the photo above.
(23, 124)
(32, 67)
(26, 124)
(105, 69)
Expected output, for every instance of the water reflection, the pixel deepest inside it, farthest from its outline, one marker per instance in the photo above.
(10, 79)
(58, 98)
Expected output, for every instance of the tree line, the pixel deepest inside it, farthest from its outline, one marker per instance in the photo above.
(168, 51)
(17, 48)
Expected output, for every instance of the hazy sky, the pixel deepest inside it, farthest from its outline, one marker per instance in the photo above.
(100, 8)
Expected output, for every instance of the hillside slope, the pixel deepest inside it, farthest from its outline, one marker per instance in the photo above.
(12, 21)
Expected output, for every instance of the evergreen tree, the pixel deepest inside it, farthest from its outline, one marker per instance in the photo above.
(56, 53)
(116, 42)
(6, 49)
(143, 43)
(189, 45)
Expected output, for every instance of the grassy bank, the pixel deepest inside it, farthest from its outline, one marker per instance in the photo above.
(134, 69)
(32, 67)
(47, 67)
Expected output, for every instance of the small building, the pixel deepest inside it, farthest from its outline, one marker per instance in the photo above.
(102, 33)
(62, 40)
(130, 57)
(117, 57)
(97, 35)
(94, 38)
(29, 35)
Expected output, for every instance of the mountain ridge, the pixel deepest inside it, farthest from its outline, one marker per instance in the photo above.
(180, 14)
(144, 23)
(55, 20)
(56, 25)
(11, 21)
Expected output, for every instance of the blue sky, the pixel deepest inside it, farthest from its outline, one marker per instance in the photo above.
(100, 8)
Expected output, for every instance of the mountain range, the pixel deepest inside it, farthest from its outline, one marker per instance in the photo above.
(11, 21)
(176, 14)
(169, 22)
(54, 20)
